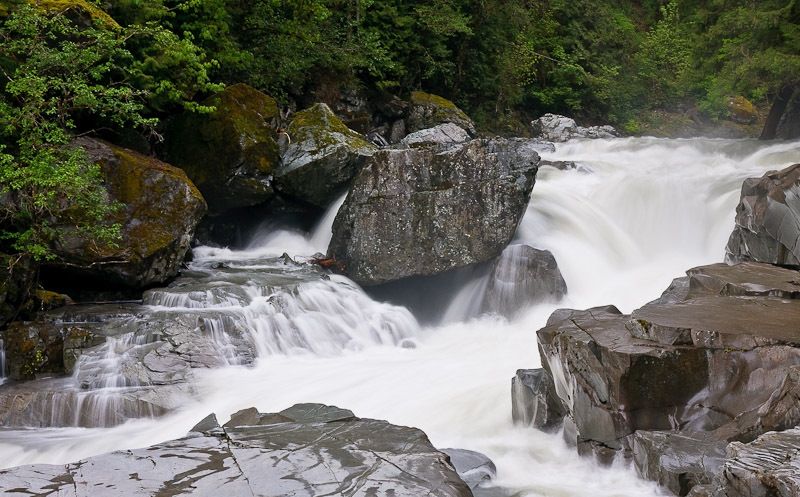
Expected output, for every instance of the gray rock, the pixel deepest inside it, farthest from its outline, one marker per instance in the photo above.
(768, 220)
(314, 456)
(522, 276)
(534, 401)
(473, 467)
(566, 166)
(789, 126)
(323, 157)
(397, 132)
(768, 466)
(426, 110)
(231, 153)
(678, 461)
(555, 128)
(439, 135)
(419, 212)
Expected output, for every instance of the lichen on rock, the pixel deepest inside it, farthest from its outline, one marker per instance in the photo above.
(426, 110)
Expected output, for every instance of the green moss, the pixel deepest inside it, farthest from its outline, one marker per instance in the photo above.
(81, 6)
(741, 109)
(429, 99)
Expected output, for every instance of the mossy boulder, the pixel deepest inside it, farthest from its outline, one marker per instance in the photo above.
(741, 110)
(160, 209)
(231, 153)
(323, 157)
(426, 110)
(32, 348)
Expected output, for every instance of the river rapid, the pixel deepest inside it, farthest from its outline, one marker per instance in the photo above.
(637, 213)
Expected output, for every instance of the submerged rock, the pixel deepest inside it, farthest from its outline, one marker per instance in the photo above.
(768, 220)
(522, 276)
(308, 449)
(555, 128)
(160, 210)
(323, 157)
(231, 153)
(422, 212)
(426, 110)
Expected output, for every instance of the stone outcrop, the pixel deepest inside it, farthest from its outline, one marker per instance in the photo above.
(159, 210)
(231, 153)
(555, 128)
(323, 157)
(768, 220)
(522, 276)
(426, 110)
(422, 211)
(715, 360)
(308, 449)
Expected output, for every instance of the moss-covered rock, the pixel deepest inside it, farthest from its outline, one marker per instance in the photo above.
(741, 110)
(323, 157)
(31, 348)
(426, 110)
(231, 153)
(160, 210)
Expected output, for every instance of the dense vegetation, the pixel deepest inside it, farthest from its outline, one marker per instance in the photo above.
(69, 67)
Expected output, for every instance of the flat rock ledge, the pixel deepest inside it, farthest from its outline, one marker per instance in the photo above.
(683, 385)
(306, 450)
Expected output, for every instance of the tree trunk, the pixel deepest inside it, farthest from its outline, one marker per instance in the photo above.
(776, 112)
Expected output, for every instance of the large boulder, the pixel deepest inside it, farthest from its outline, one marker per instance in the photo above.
(522, 276)
(308, 449)
(160, 210)
(323, 157)
(442, 134)
(555, 128)
(230, 153)
(720, 360)
(426, 110)
(768, 220)
(422, 211)
(741, 110)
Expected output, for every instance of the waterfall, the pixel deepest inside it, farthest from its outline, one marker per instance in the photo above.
(640, 212)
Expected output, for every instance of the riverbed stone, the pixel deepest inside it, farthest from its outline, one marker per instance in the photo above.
(343, 455)
(768, 220)
(768, 466)
(232, 152)
(556, 128)
(159, 212)
(323, 157)
(522, 276)
(423, 211)
(426, 110)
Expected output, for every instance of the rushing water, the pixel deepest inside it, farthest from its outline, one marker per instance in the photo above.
(639, 213)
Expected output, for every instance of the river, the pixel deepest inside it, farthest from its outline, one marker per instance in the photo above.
(637, 213)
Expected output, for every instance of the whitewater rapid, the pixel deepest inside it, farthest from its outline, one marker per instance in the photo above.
(646, 210)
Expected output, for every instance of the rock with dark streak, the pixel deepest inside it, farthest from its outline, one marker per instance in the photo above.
(306, 450)
(422, 211)
(534, 401)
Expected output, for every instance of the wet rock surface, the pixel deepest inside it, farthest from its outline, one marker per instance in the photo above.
(308, 449)
(555, 128)
(768, 220)
(715, 360)
(534, 401)
(473, 467)
(231, 153)
(323, 157)
(160, 211)
(522, 276)
(421, 212)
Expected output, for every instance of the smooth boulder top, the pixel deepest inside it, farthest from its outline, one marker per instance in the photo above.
(306, 450)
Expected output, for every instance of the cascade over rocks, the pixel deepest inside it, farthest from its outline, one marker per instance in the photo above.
(555, 128)
(423, 211)
(231, 153)
(715, 360)
(308, 449)
(323, 157)
(426, 110)
(520, 277)
(160, 209)
(768, 220)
